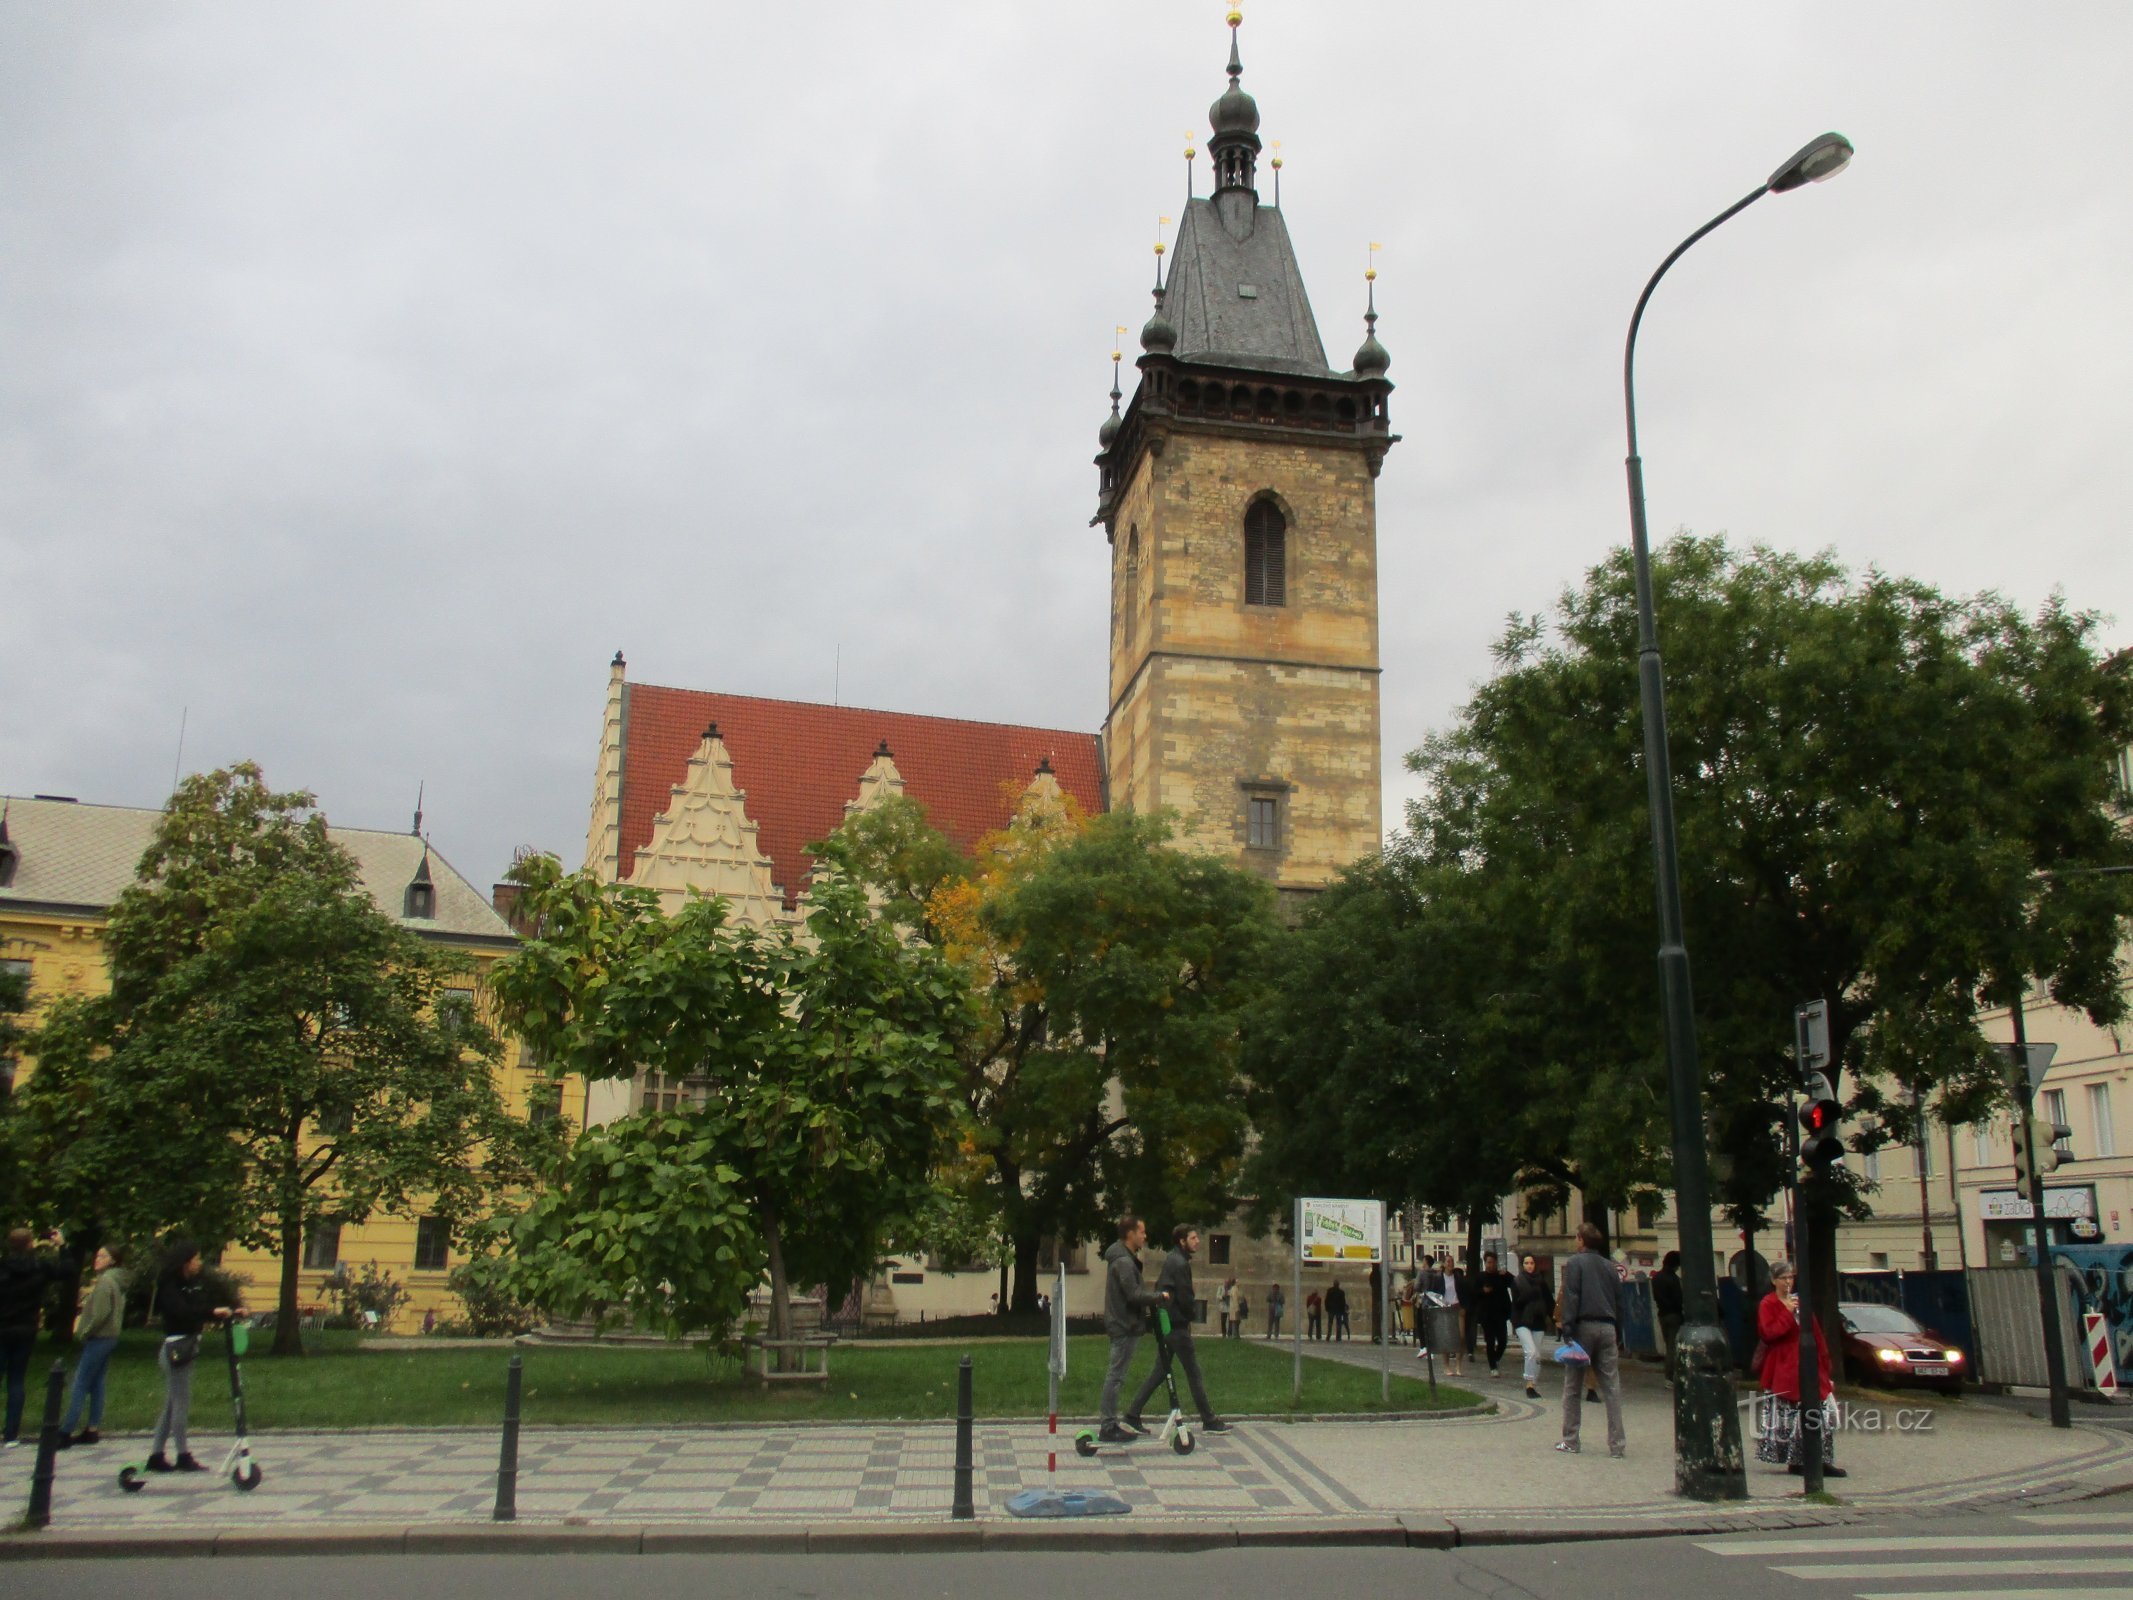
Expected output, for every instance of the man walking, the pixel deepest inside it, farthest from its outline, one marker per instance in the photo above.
(1312, 1304)
(1276, 1302)
(1666, 1304)
(1336, 1312)
(1174, 1284)
(1592, 1316)
(25, 1276)
(1126, 1306)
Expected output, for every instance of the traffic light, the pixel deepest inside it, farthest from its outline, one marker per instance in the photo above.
(2050, 1156)
(1821, 1146)
(2019, 1131)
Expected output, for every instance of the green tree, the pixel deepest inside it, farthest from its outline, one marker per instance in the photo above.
(275, 1051)
(1100, 958)
(1380, 1056)
(1872, 779)
(825, 1066)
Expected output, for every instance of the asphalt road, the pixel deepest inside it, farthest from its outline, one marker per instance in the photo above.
(2072, 1552)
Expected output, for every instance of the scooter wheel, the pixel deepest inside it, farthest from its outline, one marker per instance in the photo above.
(1084, 1444)
(248, 1476)
(1182, 1441)
(130, 1480)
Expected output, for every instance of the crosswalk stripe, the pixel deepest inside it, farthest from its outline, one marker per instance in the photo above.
(1889, 1571)
(1939, 1541)
(1999, 1594)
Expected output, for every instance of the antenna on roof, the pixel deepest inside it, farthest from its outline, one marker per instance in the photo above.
(420, 786)
(177, 764)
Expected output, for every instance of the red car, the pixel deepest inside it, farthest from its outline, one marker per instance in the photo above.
(1885, 1347)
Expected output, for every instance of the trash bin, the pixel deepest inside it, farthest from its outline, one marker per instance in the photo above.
(1445, 1333)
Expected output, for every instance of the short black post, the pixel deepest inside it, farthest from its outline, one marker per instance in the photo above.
(40, 1512)
(507, 1467)
(964, 1508)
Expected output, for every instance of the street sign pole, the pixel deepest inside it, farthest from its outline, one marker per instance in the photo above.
(1811, 1039)
(1385, 1310)
(2027, 1077)
(1296, 1309)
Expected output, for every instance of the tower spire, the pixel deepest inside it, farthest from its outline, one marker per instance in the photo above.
(1371, 358)
(1235, 120)
(1158, 336)
(1111, 424)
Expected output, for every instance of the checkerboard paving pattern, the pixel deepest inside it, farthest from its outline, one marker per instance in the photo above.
(867, 1471)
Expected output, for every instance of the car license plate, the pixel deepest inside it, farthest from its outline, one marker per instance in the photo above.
(1938, 1371)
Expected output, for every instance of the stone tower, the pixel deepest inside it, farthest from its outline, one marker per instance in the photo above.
(1238, 492)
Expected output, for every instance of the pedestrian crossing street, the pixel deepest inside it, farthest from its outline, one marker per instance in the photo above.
(2055, 1555)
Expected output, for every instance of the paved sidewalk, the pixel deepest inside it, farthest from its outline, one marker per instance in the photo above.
(1460, 1479)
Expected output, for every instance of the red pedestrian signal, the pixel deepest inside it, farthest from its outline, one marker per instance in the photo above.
(1821, 1146)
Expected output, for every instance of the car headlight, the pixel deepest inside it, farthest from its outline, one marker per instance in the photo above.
(1953, 1355)
(1888, 1355)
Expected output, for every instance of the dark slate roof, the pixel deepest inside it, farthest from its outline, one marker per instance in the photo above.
(1271, 330)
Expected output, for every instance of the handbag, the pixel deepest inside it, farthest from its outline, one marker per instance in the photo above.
(1572, 1354)
(182, 1348)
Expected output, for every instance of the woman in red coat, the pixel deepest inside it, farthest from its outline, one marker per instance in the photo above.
(1777, 1321)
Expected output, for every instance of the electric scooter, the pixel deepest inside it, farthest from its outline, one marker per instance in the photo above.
(238, 1466)
(1176, 1432)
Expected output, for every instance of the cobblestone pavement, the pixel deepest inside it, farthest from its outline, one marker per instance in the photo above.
(645, 1475)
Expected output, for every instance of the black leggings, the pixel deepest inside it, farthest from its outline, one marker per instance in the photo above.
(1495, 1335)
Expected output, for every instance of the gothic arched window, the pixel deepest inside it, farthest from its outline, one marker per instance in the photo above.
(1266, 555)
(1129, 595)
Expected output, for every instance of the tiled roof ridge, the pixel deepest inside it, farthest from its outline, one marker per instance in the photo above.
(871, 711)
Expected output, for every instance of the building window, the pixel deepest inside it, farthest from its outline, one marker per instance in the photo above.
(1129, 597)
(1922, 1152)
(1648, 1209)
(1262, 822)
(665, 1092)
(322, 1245)
(1876, 1260)
(1218, 1249)
(17, 969)
(332, 1120)
(455, 1010)
(433, 1244)
(1870, 1166)
(2055, 1111)
(1266, 555)
(2100, 1119)
(1981, 1144)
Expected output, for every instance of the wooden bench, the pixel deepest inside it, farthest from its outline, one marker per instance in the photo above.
(813, 1352)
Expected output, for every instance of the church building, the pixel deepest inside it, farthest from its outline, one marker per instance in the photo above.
(1236, 491)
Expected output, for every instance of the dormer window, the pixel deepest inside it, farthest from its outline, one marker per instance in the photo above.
(420, 901)
(9, 855)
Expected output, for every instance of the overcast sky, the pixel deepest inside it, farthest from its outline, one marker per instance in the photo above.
(370, 373)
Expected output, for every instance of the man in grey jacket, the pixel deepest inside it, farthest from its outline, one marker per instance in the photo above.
(1592, 1302)
(1174, 1284)
(1126, 1306)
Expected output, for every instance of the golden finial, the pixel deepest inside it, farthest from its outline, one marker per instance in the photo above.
(1118, 333)
(1370, 269)
(1277, 155)
(1160, 223)
(1190, 140)
(1235, 16)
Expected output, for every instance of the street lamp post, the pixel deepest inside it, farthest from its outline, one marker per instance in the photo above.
(1707, 1438)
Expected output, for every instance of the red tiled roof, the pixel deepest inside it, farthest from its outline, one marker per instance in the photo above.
(799, 764)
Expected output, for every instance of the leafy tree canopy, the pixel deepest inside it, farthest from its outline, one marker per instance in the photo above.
(1109, 971)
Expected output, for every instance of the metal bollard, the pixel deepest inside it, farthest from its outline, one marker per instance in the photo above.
(963, 1509)
(40, 1513)
(507, 1466)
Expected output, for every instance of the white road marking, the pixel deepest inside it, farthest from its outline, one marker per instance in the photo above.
(1851, 1571)
(1940, 1541)
(2000, 1594)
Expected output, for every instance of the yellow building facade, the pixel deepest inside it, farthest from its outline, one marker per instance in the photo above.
(63, 864)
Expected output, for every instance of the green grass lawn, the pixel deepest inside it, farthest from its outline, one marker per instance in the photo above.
(339, 1385)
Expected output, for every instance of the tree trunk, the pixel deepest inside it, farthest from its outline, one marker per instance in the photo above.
(1028, 1244)
(1473, 1242)
(780, 1290)
(288, 1334)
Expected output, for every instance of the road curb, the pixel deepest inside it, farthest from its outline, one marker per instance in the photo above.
(1414, 1531)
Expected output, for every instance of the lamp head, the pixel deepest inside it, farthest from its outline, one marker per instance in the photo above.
(1820, 159)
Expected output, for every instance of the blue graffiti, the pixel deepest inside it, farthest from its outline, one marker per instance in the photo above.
(2106, 1274)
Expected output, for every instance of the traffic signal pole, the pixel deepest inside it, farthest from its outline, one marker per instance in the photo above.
(2047, 1285)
